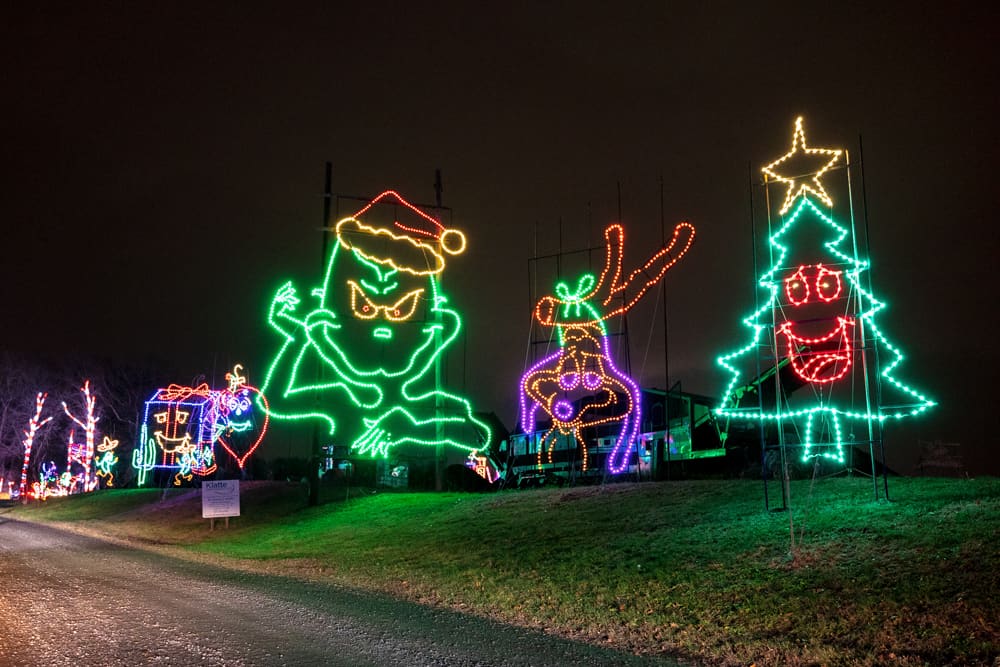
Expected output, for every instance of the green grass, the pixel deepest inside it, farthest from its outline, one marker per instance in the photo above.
(696, 570)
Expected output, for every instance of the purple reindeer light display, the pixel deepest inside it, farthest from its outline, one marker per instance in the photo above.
(579, 386)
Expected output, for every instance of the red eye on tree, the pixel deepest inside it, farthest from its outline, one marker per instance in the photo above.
(796, 287)
(828, 284)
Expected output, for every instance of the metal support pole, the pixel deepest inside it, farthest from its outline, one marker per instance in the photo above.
(666, 349)
(760, 396)
(316, 451)
(859, 308)
(878, 367)
(439, 428)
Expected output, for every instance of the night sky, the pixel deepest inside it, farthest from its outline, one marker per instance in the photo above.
(164, 170)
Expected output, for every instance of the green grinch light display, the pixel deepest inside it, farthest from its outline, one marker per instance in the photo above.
(362, 358)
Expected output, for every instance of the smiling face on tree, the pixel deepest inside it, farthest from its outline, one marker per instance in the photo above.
(816, 337)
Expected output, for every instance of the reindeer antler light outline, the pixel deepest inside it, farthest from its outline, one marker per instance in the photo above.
(588, 287)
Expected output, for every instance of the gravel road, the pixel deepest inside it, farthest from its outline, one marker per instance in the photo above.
(66, 599)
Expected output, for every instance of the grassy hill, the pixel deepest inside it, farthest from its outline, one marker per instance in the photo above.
(697, 569)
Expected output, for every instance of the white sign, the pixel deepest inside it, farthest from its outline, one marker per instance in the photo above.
(220, 498)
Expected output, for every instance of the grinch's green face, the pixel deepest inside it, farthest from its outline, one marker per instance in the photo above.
(382, 313)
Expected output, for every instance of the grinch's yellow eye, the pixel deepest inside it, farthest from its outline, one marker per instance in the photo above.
(361, 305)
(404, 308)
(366, 309)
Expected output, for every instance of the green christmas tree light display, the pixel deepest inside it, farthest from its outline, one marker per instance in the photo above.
(819, 320)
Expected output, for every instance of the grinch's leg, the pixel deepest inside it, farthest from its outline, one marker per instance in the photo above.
(446, 419)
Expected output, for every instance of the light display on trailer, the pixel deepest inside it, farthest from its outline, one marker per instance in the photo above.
(36, 422)
(819, 317)
(579, 386)
(362, 356)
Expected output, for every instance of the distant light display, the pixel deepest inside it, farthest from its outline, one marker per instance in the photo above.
(361, 358)
(36, 422)
(482, 466)
(177, 434)
(238, 432)
(83, 454)
(106, 461)
(50, 483)
(75, 454)
(579, 386)
(182, 425)
(819, 317)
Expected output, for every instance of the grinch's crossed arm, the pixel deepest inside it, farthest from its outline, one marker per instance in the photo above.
(399, 426)
(290, 397)
(446, 329)
(281, 315)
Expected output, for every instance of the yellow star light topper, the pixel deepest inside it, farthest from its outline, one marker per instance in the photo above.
(811, 184)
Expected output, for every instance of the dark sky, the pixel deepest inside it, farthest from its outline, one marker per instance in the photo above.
(164, 166)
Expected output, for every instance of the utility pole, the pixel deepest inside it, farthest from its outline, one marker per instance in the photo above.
(666, 353)
(439, 435)
(316, 453)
